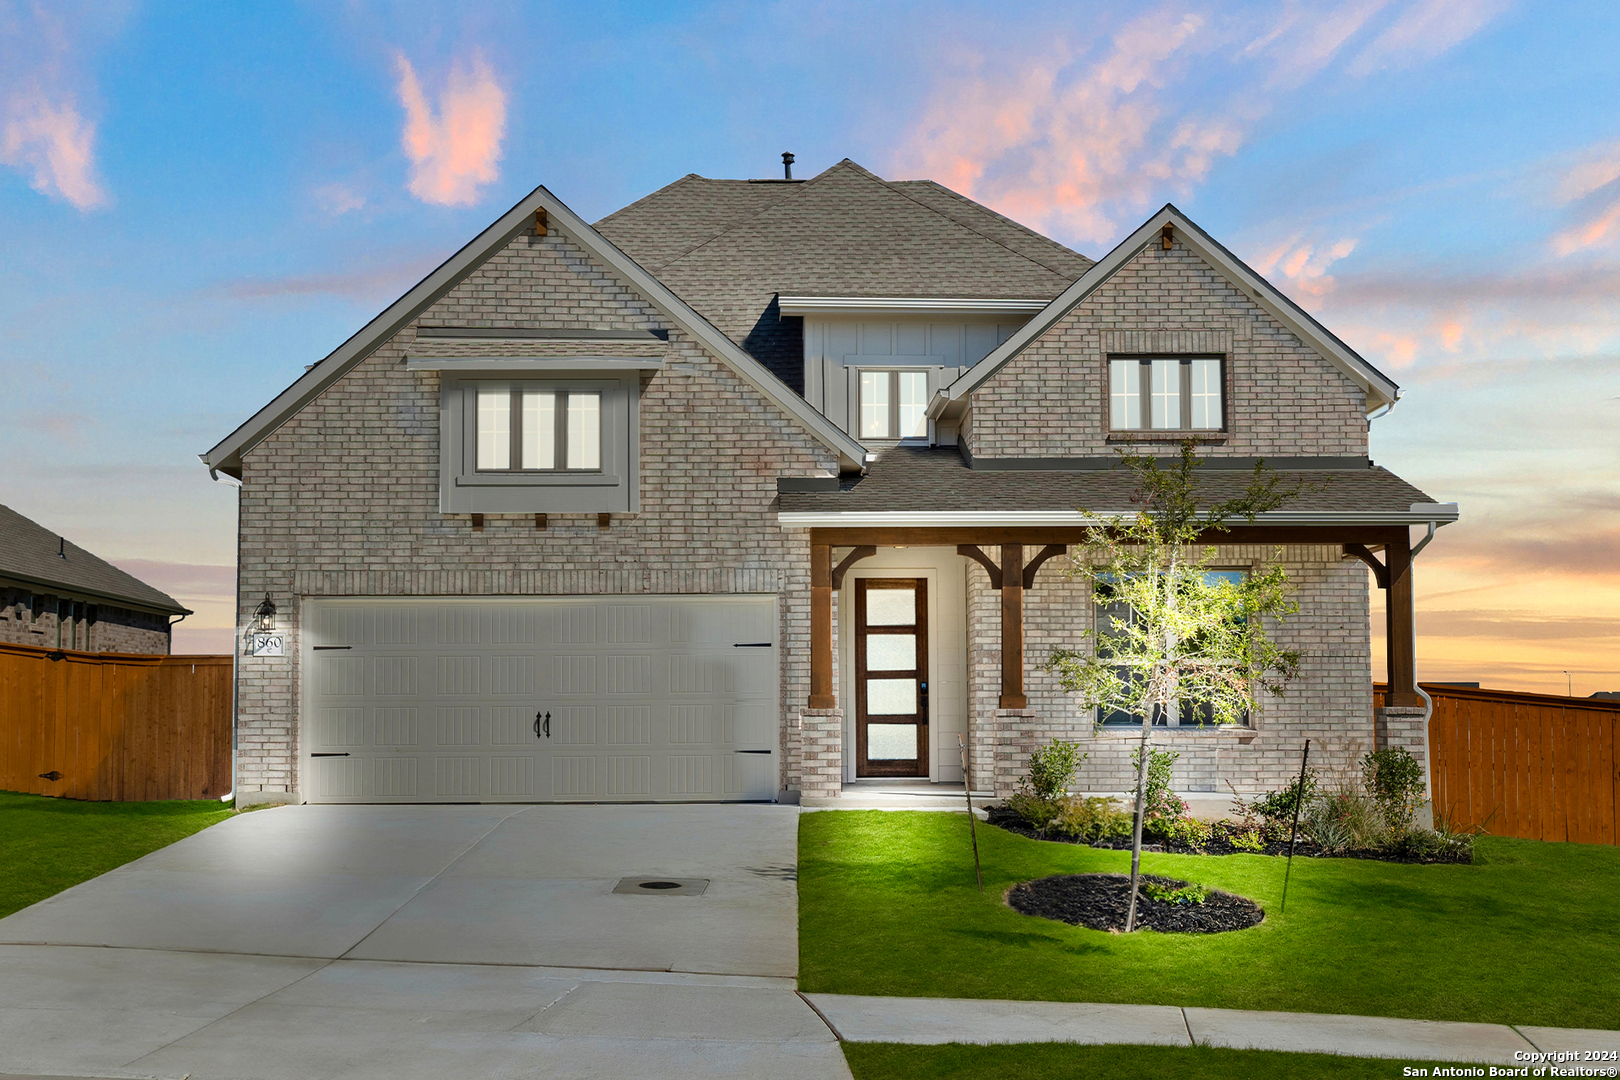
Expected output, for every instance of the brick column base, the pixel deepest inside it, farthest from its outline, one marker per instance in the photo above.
(1014, 733)
(1403, 725)
(821, 753)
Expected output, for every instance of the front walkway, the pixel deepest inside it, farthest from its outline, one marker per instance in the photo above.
(931, 1021)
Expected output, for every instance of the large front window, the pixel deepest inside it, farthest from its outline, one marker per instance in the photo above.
(1165, 394)
(893, 405)
(528, 430)
(1111, 619)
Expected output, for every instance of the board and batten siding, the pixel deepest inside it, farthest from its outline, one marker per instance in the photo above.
(835, 349)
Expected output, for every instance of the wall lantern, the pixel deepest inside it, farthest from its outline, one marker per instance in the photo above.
(262, 638)
(264, 616)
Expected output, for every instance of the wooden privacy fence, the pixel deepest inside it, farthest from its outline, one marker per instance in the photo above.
(114, 726)
(1535, 766)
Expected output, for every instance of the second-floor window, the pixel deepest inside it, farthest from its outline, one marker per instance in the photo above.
(1165, 394)
(522, 429)
(894, 405)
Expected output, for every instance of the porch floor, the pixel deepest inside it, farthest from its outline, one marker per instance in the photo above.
(897, 795)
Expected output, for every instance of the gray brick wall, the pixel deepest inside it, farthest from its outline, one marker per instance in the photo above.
(113, 629)
(1330, 702)
(343, 499)
(1283, 398)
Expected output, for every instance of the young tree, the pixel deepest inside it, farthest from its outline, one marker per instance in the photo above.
(1174, 635)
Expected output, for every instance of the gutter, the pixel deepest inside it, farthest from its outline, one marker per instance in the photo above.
(1433, 515)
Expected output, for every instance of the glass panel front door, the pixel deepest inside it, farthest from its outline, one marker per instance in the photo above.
(891, 677)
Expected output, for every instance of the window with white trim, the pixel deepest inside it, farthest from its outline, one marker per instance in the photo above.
(893, 405)
(1166, 394)
(534, 430)
(559, 445)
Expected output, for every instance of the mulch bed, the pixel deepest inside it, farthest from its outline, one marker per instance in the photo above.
(1100, 901)
(1220, 843)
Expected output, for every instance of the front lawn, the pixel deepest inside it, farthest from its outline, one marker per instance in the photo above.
(1065, 1061)
(1526, 935)
(47, 845)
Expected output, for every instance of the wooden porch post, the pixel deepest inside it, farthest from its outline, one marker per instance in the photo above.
(1012, 627)
(1399, 624)
(821, 628)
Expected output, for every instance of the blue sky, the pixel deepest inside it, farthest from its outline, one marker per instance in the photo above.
(196, 200)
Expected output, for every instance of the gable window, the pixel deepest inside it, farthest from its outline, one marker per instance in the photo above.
(893, 405)
(567, 443)
(1165, 394)
(1183, 714)
(534, 430)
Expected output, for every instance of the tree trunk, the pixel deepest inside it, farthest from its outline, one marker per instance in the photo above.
(1141, 806)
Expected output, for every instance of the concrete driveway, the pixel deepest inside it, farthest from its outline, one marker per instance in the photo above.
(360, 941)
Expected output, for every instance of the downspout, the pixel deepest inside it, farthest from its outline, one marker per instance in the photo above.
(1428, 702)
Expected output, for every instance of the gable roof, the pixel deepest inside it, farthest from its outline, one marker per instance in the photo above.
(1380, 389)
(31, 553)
(730, 248)
(226, 457)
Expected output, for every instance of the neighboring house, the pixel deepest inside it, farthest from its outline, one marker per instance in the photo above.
(756, 488)
(55, 594)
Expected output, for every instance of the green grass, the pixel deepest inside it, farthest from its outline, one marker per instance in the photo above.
(47, 845)
(1065, 1061)
(1526, 935)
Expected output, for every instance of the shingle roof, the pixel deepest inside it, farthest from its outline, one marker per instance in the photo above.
(937, 479)
(32, 553)
(729, 247)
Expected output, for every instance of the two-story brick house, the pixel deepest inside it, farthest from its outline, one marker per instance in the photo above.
(758, 488)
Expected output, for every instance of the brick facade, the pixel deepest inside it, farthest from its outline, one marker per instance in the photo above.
(1283, 399)
(46, 620)
(1330, 702)
(343, 498)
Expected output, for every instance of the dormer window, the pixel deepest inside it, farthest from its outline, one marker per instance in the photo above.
(893, 404)
(1166, 394)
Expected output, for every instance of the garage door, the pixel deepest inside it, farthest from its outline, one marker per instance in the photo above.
(579, 699)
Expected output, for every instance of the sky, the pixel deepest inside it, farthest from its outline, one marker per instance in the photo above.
(199, 199)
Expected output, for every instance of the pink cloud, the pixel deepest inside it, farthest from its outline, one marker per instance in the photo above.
(1303, 266)
(459, 148)
(1593, 186)
(1424, 31)
(55, 145)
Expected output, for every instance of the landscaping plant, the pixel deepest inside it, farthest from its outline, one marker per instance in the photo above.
(1184, 638)
(1042, 795)
(1394, 779)
(1093, 819)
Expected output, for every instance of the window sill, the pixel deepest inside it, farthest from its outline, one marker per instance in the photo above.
(1202, 438)
(1240, 732)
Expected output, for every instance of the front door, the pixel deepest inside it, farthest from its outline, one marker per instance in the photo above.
(891, 677)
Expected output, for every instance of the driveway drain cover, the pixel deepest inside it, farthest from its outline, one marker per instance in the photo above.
(659, 886)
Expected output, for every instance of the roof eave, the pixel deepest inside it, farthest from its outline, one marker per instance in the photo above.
(174, 607)
(1419, 514)
(951, 401)
(226, 456)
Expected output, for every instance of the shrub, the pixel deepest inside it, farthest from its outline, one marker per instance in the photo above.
(1183, 830)
(1161, 802)
(1039, 813)
(1094, 819)
(1167, 894)
(1346, 820)
(1395, 780)
(1052, 767)
(1248, 840)
(1278, 806)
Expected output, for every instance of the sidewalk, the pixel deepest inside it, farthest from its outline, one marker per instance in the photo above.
(927, 1021)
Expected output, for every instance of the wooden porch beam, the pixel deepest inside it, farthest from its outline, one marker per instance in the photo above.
(889, 536)
(821, 628)
(1380, 571)
(1050, 551)
(1399, 625)
(1012, 627)
(976, 553)
(865, 551)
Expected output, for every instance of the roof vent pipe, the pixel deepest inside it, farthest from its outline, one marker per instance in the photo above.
(787, 165)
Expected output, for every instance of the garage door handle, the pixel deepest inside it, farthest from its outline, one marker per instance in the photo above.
(752, 645)
(753, 751)
(344, 754)
(542, 726)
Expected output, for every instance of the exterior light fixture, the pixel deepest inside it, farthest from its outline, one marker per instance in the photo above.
(264, 616)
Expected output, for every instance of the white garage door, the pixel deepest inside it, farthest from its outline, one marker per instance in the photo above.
(578, 699)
